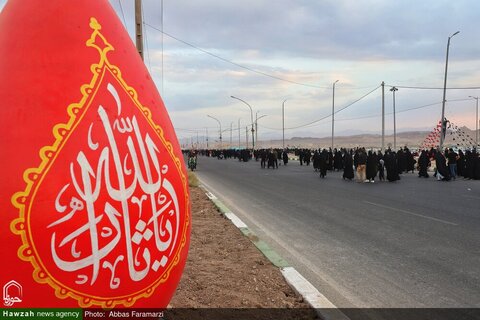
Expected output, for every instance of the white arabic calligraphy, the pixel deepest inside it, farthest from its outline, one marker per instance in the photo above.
(134, 182)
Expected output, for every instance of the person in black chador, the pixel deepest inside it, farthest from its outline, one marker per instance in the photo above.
(316, 160)
(337, 160)
(391, 165)
(371, 166)
(330, 159)
(307, 156)
(381, 166)
(323, 163)
(476, 165)
(461, 164)
(271, 159)
(409, 160)
(423, 164)
(401, 161)
(348, 166)
(469, 165)
(263, 158)
(442, 171)
(285, 157)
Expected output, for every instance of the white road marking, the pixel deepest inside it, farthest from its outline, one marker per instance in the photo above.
(235, 220)
(210, 196)
(411, 213)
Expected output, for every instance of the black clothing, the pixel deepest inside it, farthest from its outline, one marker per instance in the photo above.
(441, 163)
(372, 165)
(348, 167)
(392, 167)
(423, 164)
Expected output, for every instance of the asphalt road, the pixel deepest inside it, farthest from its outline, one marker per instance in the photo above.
(411, 243)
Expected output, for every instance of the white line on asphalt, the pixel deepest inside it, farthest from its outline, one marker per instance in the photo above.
(411, 213)
(235, 220)
(318, 301)
(210, 196)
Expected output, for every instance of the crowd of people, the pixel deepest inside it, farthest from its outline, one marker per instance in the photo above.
(365, 166)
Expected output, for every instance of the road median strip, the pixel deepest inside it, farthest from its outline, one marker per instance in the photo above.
(324, 308)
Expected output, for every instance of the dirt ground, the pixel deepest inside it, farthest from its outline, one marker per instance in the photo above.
(225, 270)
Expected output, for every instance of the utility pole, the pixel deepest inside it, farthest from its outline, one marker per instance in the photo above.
(206, 133)
(394, 89)
(138, 27)
(239, 142)
(443, 131)
(333, 111)
(383, 116)
(476, 122)
(283, 123)
(256, 127)
(231, 133)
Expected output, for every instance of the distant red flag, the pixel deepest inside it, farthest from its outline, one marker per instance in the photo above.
(95, 200)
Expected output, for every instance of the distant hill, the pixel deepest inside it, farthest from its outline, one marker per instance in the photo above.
(411, 139)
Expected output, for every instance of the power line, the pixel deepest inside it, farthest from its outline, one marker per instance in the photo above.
(146, 43)
(309, 124)
(401, 111)
(432, 88)
(123, 15)
(234, 63)
(356, 100)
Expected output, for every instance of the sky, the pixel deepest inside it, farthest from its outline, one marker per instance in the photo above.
(266, 52)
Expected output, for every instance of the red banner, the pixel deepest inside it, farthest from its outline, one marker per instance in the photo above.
(94, 190)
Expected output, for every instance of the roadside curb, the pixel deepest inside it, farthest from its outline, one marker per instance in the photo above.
(323, 307)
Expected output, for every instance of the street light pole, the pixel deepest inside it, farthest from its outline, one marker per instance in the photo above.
(442, 134)
(256, 126)
(383, 116)
(283, 124)
(251, 117)
(394, 121)
(220, 128)
(206, 133)
(476, 123)
(239, 134)
(333, 111)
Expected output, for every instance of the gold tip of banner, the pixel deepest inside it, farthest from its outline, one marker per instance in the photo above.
(94, 24)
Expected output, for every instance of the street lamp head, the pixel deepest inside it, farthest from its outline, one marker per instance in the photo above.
(393, 89)
(455, 34)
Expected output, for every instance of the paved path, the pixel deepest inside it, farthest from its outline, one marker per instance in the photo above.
(412, 243)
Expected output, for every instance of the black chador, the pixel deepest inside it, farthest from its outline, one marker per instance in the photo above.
(316, 160)
(410, 161)
(372, 165)
(401, 161)
(441, 164)
(423, 164)
(391, 166)
(323, 163)
(348, 167)
(337, 160)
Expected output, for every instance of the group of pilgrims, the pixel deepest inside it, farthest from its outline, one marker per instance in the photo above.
(389, 165)
(365, 166)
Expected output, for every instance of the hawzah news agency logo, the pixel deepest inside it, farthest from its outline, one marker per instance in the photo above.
(12, 293)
